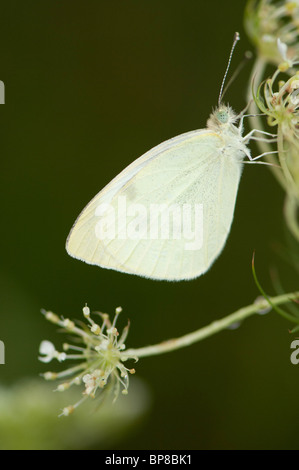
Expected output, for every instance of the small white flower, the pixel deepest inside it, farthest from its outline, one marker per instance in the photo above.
(294, 100)
(282, 49)
(86, 311)
(48, 350)
(104, 346)
(95, 329)
(89, 382)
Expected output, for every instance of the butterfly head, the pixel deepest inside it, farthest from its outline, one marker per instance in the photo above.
(222, 118)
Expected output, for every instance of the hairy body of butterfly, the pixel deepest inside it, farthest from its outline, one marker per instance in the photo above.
(198, 168)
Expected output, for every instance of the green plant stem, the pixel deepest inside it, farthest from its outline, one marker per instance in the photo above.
(290, 212)
(209, 330)
(256, 122)
(292, 189)
(292, 196)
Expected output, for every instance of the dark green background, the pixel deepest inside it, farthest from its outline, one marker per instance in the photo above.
(90, 86)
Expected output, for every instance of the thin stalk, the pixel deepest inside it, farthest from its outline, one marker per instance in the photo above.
(213, 328)
(292, 197)
(290, 212)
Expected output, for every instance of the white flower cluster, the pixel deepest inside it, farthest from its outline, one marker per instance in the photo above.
(267, 21)
(101, 351)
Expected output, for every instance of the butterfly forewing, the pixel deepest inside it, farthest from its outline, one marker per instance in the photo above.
(146, 233)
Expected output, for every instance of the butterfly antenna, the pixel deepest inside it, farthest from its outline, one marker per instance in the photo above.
(236, 39)
(247, 56)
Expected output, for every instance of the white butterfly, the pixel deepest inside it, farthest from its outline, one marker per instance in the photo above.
(200, 169)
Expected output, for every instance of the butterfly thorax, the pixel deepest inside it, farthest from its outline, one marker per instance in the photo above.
(222, 122)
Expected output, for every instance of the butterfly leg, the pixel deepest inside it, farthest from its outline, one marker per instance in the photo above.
(263, 154)
(250, 136)
(253, 160)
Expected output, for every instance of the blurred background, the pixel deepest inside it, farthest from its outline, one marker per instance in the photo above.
(90, 86)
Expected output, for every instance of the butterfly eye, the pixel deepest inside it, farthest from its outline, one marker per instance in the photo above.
(222, 116)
